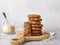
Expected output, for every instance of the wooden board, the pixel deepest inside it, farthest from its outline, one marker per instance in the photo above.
(45, 35)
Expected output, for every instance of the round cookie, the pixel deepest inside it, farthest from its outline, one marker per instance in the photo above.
(36, 29)
(36, 32)
(36, 26)
(33, 29)
(34, 15)
(26, 32)
(26, 24)
(35, 23)
(35, 19)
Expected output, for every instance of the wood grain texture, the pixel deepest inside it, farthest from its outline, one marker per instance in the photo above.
(45, 35)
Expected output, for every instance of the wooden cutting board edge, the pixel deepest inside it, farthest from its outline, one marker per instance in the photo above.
(45, 35)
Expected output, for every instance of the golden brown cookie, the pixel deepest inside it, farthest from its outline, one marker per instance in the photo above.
(35, 23)
(36, 32)
(37, 26)
(27, 32)
(35, 19)
(34, 15)
(27, 25)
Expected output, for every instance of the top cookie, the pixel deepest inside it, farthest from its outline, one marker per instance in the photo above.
(34, 15)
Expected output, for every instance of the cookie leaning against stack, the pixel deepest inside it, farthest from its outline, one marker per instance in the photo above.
(27, 28)
(36, 26)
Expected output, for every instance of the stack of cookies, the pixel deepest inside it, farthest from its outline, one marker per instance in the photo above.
(36, 26)
(27, 28)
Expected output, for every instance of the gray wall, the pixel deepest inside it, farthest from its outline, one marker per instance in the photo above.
(17, 11)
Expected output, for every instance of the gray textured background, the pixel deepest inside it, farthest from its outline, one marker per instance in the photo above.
(17, 11)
